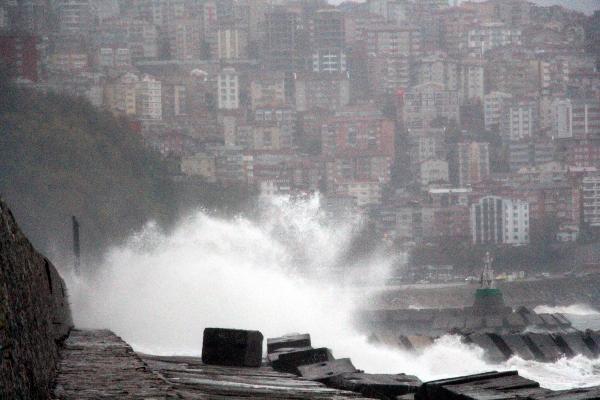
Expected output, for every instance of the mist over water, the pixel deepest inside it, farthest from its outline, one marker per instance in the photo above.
(284, 272)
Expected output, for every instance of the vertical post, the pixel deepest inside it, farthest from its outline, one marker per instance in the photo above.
(76, 247)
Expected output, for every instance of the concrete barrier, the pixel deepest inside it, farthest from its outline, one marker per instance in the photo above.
(379, 386)
(232, 347)
(324, 371)
(287, 341)
(289, 362)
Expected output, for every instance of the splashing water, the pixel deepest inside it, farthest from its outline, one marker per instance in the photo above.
(574, 309)
(282, 273)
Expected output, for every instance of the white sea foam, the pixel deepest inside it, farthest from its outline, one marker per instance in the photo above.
(159, 291)
(574, 309)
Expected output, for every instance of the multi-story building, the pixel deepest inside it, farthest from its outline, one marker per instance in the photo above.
(119, 96)
(114, 57)
(267, 90)
(232, 44)
(433, 171)
(148, 98)
(328, 29)
(228, 89)
(365, 193)
(185, 40)
(497, 220)
(591, 200)
(576, 118)
(465, 75)
(21, 55)
(493, 105)
(428, 102)
(358, 131)
(584, 153)
(396, 11)
(283, 40)
(519, 120)
(29, 17)
(326, 91)
(490, 35)
(76, 17)
(528, 153)
(469, 163)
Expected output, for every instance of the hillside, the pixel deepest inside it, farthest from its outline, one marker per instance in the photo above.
(60, 157)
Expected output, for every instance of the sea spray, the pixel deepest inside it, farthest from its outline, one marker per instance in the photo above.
(280, 273)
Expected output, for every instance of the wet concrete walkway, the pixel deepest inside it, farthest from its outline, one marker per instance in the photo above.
(100, 365)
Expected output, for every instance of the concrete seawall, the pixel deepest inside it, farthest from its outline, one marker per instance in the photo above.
(34, 315)
(562, 291)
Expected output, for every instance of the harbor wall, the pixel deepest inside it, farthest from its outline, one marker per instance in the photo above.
(559, 291)
(34, 315)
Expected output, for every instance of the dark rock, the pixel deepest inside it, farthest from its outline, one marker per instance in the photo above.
(232, 347)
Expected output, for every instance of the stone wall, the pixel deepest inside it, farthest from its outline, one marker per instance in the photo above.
(34, 315)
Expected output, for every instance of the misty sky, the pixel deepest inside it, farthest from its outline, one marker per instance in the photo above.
(587, 6)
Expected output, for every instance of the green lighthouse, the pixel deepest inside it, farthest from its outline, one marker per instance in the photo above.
(488, 298)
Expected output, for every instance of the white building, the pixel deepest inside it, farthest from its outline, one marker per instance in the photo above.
(231, 44)
(148, 98)
(576, 118)
(492, 35)
(519, 120)
(433, 171)
(329, 60)
(497, 220)
(493, 104)
(591, 200)
(228, 85)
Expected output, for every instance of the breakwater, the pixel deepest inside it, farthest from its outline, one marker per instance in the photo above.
(34, 315)
(559, 291)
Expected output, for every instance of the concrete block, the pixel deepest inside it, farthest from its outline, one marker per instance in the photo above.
(232, 347)
(324, 371)
(517, 346)
(543, 346)
(549, 321)
(419, 343)
(494, 322)
(275, 355)
(489, 385)
(474, 322)
(573, 344)
(562, 320)
(492, 352)
(515, 321)
(377, 385)
(287, 341)
(592, 339)
(289, 362)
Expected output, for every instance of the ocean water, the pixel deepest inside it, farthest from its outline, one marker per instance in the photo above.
(284, 272)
